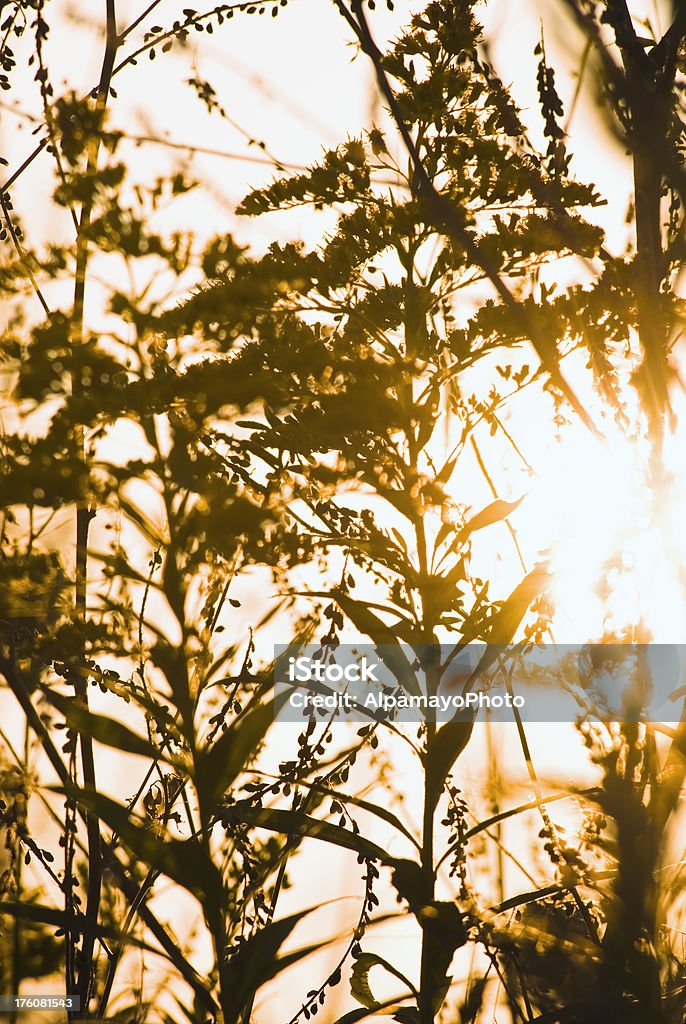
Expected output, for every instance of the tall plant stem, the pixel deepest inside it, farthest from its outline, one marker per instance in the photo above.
(17, 933)
(84, 514)
(427, 971)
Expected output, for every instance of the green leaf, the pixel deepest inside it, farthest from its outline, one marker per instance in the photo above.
(411, 884)
(496, 512)
(183, 860)
(474, 999)
(408, 1015)
(405, 1014)
(78, 923)
(365, 805)
(506, 622)
(256, 962)
(384, 638)
(359, 978)
(353, 1016)
(104, 730)
(217, 767)
(446, 747)
(487, 823)
(294, 823)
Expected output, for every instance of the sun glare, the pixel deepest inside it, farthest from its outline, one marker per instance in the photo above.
(614, 530)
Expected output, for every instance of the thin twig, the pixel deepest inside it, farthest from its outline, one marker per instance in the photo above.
(20, 252)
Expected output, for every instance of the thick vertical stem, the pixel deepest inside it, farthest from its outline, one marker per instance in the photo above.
(649, 273)
(648, 90)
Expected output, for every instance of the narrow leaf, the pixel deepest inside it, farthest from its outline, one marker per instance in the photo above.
(78, 923)
(294, 823)
(183, 860)
(496, 512)
(365, 805)
(104, 730)
(447, 745)
(384, 638)
(506, 622)
(217, 767)
(256, 962)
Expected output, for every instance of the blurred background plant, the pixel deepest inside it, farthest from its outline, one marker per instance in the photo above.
(208, 450)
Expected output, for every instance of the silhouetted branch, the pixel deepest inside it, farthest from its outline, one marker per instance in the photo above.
(447, 217)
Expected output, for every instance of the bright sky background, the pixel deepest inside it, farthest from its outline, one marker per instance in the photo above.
(291, 82)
